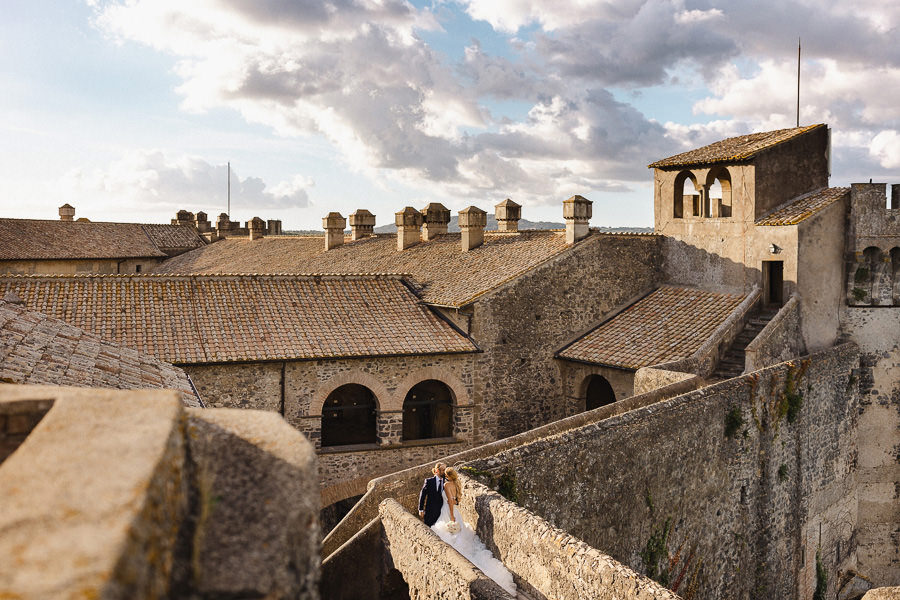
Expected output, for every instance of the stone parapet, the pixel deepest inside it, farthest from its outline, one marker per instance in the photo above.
(123, 494)
(779, 340)
(431, 568)
(547, 561)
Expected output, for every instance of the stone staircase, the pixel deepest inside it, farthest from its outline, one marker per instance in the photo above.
(732, 363)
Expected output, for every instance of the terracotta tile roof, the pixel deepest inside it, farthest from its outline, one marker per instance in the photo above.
(742, 147)
(33, 239)
(242, 318)
(803, 207)
(668, 324)
(447, 276)
(38, 349)
(174, 238)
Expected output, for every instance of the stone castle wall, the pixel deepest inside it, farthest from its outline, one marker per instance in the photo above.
(717, 484)
(545, 561)
(877, 332)
(431, 568)
(522, 324)
(127, 494)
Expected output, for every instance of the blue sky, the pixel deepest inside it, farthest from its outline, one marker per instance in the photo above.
(130, 110)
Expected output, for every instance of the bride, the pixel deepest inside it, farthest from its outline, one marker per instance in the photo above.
(453, 530)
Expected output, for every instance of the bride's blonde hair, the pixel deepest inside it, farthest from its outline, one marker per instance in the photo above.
(450, 473)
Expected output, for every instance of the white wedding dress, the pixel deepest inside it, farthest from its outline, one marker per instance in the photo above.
(469, 545)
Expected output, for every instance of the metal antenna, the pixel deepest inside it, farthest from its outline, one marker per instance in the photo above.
(229, 188)
(798, 82)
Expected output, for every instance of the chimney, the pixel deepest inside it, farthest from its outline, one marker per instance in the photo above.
(362, 224)
(508, 214)
(472, 222)
(408, 222)
(577, 213)
(334, 225)
(895, 196)
(66, 212)
(274, 226)
(437, 218)
(223, 224)
(183, 217)
(201, 222)
(256, 227)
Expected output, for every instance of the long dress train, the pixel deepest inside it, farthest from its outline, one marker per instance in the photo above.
(469, 545)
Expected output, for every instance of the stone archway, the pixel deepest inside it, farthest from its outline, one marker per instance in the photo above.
(428, 411)
(349, 416)
(597, 392)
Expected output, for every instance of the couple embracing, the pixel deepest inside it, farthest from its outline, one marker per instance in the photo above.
(439, 498)
(438, 507)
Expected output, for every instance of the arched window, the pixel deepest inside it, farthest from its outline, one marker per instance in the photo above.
(719, 182)
(598, 392)
(348, 416)
(428, 411)
(687, 198)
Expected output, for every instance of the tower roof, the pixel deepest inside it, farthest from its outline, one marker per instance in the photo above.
(742, 147)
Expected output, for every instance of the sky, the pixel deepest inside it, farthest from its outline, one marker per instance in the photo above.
(130, 110)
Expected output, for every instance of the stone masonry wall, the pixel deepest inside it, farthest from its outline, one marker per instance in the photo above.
(71, 267)
(725, 492)
(779, 340)
(431, 568)
(877, 332)
(546, 560)
(124, 494)
(404, 486)
(522, 324)
(298, 390)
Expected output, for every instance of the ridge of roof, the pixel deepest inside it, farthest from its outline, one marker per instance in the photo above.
(737, 148)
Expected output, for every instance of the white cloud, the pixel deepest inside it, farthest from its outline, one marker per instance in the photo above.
(358, 73)
(885, 148)
(153, 181)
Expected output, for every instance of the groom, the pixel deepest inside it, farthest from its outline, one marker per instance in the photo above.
(431, 498)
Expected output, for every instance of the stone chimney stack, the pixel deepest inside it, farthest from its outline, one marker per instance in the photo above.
(508, 214)
(223, 224)
(362, 224)
(274, 226)
(577, 213)
(256, 227)
(408, 222)
(472, 221)
(201, 222)
(437, 218)
(183, 217)
(66, 212)
(895, 196)
(334, 225)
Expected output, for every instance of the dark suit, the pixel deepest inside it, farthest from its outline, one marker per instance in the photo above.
(431, 498)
